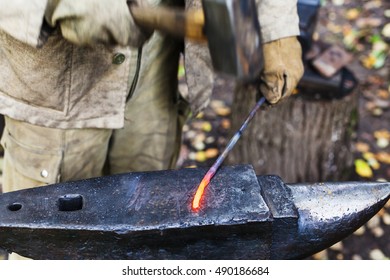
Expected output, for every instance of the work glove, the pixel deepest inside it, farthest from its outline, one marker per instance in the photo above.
(283, 68)
(87, 22)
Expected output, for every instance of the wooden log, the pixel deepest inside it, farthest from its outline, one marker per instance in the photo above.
(303, 139)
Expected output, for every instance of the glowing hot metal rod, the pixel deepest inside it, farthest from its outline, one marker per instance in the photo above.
(214, 168)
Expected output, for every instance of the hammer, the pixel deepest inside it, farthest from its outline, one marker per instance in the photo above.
(230, 27)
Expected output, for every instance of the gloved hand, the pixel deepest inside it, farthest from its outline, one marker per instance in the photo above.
(87, 22)
(283, 68)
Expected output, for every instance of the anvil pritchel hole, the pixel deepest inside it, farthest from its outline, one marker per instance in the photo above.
(14, 207)
(70, 202)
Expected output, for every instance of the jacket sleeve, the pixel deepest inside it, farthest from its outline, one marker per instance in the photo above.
(23, 19)
(278, 19)
(199, 71)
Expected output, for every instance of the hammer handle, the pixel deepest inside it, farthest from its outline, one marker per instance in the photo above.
(173, 21)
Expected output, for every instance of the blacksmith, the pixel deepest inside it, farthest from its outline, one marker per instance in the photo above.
(86, 92)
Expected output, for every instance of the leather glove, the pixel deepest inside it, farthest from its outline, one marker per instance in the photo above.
(283, 68)
(88, 22)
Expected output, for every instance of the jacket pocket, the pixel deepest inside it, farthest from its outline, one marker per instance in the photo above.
(35, 163)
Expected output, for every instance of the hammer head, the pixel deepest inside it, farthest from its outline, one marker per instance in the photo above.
(233, 33)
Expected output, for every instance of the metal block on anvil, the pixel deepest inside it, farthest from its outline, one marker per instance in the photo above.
(148, 215)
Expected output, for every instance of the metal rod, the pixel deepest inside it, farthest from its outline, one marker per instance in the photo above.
(214, 168)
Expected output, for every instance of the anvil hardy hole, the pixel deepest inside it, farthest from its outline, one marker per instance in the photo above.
(15, 207)
(70, 202)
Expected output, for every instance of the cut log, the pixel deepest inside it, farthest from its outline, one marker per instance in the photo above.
(303, 139)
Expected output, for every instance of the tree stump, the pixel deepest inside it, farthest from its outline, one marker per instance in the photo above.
(303, 139)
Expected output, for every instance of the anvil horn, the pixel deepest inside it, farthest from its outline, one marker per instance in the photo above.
(148, 215)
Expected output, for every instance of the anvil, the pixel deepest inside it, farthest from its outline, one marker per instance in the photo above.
(148, 215)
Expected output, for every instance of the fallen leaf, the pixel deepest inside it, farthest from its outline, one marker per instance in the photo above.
(338, 2)
(383, 133)
(373, 163)
(371, 160)
(211, 152)
(199, 146)
(209, 140)
(377, 112)
(206, 126)
(383, 157)
(382, 93)
(192, 156)
(351, 37)
(352, 14)
(217, 103)
(200, 156)
(368, 155)
(200, 115)
(386, 30)
(363, 169)
(375, 60)
(362, 147)
(222, 111)
(382, 143)
(225, 123)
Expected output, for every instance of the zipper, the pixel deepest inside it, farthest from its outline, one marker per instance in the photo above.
(135, 79)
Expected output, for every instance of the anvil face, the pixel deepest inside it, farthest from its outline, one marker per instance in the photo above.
(148, 215)
(141, 216)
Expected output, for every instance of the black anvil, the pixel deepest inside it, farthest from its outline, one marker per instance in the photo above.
(148, 215)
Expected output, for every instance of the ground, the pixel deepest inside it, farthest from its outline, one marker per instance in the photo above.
(362, 29)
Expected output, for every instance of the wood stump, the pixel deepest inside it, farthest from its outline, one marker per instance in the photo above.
(303, 139)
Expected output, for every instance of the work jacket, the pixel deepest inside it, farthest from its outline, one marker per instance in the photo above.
(50, 82)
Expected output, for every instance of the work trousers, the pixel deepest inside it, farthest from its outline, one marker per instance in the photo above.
(150, 140)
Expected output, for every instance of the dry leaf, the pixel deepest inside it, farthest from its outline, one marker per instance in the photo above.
(225, 123)
(199, 146)
(200, 115)
(383, 157)
(363, 169)
(207, 127)
(368, 155)
(352, 14)
(371, 160)
(384, 94)
(338, 2)
(382, 134)
(200, 156)
(386, 30)
(209, 140)
(222, 111)
(362, 147)
(211, 152)
(382, 143)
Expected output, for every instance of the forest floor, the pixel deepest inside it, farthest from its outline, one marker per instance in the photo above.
(362, 29)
